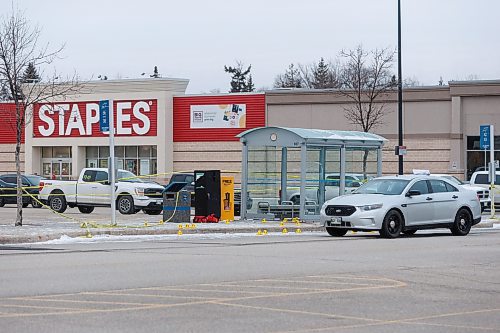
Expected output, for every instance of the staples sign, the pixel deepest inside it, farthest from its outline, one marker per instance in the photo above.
(74, 119)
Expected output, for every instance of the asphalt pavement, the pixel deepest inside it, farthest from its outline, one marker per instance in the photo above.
(41, 224)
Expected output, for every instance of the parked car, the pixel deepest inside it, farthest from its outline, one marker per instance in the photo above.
(480, 178)
(92, 189)
(332, 187)
(8, 192)
(482, 193)
(403, 204)
(184, 178)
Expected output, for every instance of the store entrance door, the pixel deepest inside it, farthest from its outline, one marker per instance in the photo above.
(56, 168)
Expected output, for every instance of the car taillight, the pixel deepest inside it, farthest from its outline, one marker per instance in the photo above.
(40, 186)
(478, 197)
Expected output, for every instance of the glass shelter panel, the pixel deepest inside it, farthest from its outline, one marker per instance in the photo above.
(361, 166)
(264, 165)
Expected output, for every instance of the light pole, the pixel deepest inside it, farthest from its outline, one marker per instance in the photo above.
(400, 94)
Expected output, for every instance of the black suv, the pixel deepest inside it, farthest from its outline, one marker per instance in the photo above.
(8, 186)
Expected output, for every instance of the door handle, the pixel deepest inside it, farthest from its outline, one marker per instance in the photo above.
(428, 198)
(455, 197)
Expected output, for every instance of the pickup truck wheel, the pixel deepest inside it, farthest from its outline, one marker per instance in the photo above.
(35, 204)
(153, 211)
(462, 224)
(57, 202)
(85, 209)
(25, 204)
(126, 204)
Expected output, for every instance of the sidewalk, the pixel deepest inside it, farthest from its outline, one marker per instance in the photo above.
(55, 228)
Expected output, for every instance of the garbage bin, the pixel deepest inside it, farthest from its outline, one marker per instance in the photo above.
(176, 204)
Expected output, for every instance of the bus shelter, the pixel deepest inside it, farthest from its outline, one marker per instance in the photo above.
(291, 172)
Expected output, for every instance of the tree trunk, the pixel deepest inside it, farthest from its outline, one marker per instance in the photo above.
(19, 192)
(365, 159)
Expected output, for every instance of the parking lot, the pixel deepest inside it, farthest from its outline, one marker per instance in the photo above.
(431, 282)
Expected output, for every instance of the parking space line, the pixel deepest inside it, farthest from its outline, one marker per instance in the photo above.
(213, 290)
(83, 301)
(38, 307)
(455, 326)
(152, 296)
(321, 314)
(322, 282)
(268, 286)
(408, 321)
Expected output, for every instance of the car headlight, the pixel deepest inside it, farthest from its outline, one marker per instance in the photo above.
(370, 207)
(139, 192)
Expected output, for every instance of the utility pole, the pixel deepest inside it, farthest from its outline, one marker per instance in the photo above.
(400, 94)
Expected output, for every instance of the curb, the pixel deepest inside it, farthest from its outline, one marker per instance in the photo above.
(6, 240)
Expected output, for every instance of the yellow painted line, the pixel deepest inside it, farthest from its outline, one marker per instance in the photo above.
(321, 282)
(451, 314)
(38, 307)
(272, 287)
(213, 290)
(152, 296)
(309, 313)
(388, 322)
(87, 302)
(456, 326)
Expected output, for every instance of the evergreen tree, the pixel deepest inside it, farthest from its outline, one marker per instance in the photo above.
(290, 79)
(323, 76)
(240, 78)
(30, 74)
(155, 73)
(250, 85)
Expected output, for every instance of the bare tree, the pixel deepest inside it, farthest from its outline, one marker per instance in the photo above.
(366, 78)
(18, 49)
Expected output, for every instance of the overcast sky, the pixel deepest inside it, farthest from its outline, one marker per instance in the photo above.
(453, 39)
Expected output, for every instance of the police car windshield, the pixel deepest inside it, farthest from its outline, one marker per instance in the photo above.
(383, 186)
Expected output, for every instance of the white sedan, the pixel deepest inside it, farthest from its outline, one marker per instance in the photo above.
(403, 204)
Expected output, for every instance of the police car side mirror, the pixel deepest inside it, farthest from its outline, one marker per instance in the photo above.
(412, 193)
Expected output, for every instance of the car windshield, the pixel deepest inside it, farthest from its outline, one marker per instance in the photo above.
(383, 186)
(454, 180)
(127, 176)
(34, 180)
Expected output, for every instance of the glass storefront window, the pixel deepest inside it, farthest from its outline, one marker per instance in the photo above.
(144, 151)
(92, 152)
(46, 152)
(131, 151)
(103, 152)
(119, 151)
(140, 160)
(478, 159)
(61, 152)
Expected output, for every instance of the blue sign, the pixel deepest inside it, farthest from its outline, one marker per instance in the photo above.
(104, 116)
(484, 138)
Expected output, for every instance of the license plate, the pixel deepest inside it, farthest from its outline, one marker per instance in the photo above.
(335, 221)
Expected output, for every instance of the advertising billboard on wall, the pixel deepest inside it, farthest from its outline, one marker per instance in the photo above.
(218, 116)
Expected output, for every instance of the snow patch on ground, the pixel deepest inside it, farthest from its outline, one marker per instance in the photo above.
(148, 238)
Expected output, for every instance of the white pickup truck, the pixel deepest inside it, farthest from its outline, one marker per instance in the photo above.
(92, 189)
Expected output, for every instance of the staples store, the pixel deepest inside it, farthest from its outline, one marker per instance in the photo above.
(64, 136)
